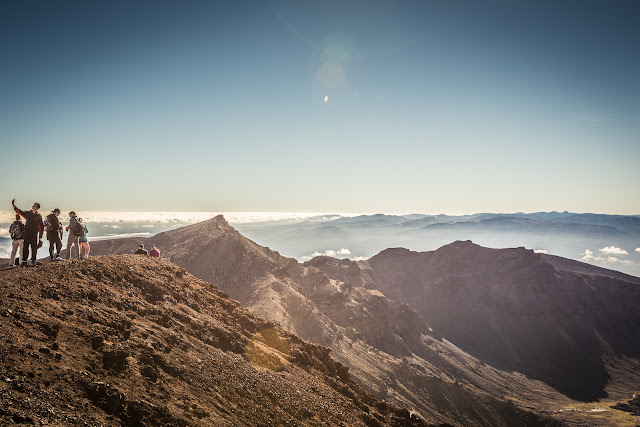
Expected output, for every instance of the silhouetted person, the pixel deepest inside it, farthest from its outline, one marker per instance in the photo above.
(53, 227)
(16, 231)
(33, 230)
(141, 250)
(74, 229)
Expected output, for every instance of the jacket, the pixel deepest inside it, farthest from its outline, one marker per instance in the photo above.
(72, 223)
(33, 222)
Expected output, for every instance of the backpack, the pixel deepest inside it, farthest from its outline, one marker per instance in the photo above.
(78, 229)
(53, 223)
(16, 230)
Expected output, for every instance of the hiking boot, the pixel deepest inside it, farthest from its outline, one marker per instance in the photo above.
(24, 264)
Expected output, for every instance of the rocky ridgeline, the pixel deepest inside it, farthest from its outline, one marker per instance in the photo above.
(390, 350)
(131, 340)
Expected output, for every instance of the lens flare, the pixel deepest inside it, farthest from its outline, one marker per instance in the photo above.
(326, 98)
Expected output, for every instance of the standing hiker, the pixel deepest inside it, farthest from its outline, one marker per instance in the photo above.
(84, 242)
(75, 230)
(53, 227)
(33, 230)
(16, 231)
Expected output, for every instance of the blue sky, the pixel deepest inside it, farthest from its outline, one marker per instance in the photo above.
(432, 106)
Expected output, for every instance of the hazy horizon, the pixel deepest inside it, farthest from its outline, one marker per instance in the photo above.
(359, 236)
(352, 106)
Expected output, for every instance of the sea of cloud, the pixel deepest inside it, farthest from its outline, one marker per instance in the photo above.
(279, 230)
(115, 225)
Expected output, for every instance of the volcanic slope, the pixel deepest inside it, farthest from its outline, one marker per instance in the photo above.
(389, 349)
(129, 340)
(573, 326)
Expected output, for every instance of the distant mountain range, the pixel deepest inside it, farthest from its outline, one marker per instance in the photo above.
(586, 237)
(464, 335)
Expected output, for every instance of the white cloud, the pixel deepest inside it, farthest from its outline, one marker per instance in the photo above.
(329, 252)
(589, 256)
(615, 259)
(120, 236)
(637, 249)
(541, 251)
(614, 250)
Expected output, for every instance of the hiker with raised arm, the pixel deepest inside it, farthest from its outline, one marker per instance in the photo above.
(33, 230)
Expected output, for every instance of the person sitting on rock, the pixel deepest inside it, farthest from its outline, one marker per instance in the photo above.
(155, 253)
(141, 250)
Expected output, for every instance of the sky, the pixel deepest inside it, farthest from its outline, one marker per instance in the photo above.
(322, 106)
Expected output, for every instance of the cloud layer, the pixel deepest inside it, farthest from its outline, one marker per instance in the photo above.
(333, 253)
(612, 250)
(591, 257)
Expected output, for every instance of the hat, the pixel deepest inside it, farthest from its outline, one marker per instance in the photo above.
(56, 210)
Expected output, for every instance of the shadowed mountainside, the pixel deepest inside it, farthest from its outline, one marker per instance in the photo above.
(513, 309)
(127, 340)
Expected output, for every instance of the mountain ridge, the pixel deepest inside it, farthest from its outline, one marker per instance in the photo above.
(311, 303)
(115, 340)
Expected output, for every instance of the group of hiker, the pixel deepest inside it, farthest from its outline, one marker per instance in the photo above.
(28, 236)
